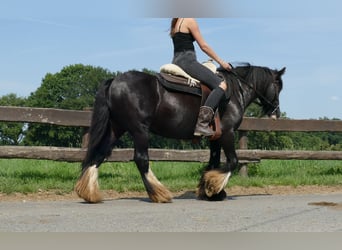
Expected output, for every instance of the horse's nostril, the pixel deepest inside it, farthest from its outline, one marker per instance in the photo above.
(273, 117)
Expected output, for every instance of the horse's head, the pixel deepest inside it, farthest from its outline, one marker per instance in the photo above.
(261, 83)
(270, 97)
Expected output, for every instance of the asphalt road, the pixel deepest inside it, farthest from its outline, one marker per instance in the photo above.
(258, 213)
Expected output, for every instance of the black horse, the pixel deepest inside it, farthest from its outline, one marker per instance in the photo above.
(137, 103)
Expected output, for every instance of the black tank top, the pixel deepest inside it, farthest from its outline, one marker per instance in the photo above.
(183, 41)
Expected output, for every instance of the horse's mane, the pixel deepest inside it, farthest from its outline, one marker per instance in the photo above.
(248, 73)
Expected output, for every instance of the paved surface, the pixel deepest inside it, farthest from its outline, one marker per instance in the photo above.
(259, 213)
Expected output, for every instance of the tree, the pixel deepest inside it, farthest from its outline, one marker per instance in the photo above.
(253, 110)
(74, 87)
(12, 133)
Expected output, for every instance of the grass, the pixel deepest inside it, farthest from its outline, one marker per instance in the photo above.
(292, 173)
(30, 176)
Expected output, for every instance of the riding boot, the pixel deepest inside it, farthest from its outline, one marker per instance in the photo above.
(205, 116)
(206, 113)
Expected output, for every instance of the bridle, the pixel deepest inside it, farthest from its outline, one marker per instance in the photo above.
(259, 95)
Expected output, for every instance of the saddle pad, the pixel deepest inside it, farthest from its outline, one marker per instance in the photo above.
(210, 65)
(174, 69)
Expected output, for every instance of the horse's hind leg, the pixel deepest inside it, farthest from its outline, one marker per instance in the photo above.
(87, 186)
(155, 189)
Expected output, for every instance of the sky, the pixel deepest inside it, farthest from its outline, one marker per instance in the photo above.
(40, 37)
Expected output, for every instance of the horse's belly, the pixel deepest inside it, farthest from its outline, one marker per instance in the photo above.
(176, 115)
(173, 124)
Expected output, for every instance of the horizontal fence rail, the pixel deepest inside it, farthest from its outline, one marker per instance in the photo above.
(78, 118)
(61, 117)
(125, 155)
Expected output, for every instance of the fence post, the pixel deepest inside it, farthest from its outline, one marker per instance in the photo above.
(85, 135)
(243, 144)
(85, 138)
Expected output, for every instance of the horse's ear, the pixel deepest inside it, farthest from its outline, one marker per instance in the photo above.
(282, 71)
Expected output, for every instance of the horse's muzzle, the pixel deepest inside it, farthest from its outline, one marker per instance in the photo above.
(275, 114)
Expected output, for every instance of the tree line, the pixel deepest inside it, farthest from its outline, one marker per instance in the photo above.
(74, 88)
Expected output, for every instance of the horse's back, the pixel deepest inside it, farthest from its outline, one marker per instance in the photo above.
(137, 98)
(133, 84)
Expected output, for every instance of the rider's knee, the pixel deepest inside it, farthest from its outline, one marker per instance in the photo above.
(223, 85)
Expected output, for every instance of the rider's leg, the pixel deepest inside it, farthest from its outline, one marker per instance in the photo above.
(188, 62)
(207, 111)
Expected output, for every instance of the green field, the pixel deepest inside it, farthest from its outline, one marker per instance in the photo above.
(30, 176)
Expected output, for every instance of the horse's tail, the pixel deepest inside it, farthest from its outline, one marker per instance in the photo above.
(100, 132)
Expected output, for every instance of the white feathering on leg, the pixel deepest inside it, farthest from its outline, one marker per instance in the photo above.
(225, 181)
(87, 187)
(215, 181)
(160, 193)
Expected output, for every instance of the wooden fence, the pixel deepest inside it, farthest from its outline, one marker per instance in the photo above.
(82, 119)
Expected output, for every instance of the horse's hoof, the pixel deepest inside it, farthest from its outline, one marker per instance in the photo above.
(222, 195)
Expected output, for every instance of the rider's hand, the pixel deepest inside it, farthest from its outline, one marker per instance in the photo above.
(226, 65)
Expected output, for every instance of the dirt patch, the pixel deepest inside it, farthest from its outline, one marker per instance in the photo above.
(186, 194)
(323, 204)
(284, 190)
(333, 205)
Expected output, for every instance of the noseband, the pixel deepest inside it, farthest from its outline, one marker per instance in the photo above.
(270, 103)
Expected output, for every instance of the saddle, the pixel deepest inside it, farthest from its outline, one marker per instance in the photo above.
(173, 78)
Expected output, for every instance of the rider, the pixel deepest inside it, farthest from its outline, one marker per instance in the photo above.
(184, 31)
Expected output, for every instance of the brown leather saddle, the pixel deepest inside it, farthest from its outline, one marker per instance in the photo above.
(173, 78)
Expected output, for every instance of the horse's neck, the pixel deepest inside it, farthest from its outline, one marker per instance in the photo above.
(248, 94)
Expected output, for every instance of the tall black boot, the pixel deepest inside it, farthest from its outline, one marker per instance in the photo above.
(205, 116)
(214, 98)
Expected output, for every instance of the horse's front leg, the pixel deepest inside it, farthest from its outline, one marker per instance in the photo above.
(215, 155)
(213, 181)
